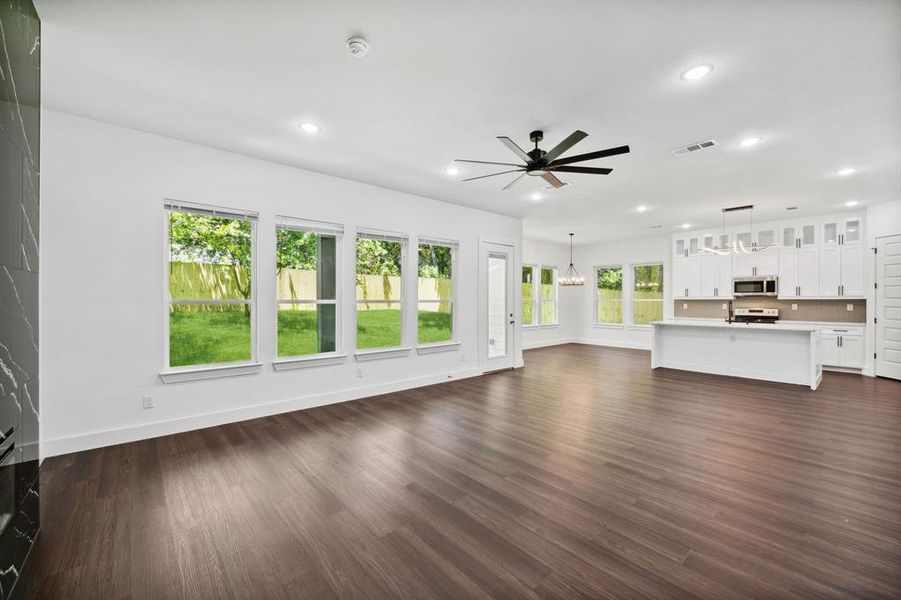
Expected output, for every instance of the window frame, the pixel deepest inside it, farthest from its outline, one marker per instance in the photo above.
(542, 301)
(632, 299)
(403, 347)
(319, 228)
(454, 248)
(536, 318)
(594, 319)
(170, 374)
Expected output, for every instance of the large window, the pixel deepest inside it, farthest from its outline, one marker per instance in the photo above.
(529, 314)
(609, 297)
(211, 291)
(548, 295)
(647, 294)
(379, 283)
(306, 261)
(435, 319)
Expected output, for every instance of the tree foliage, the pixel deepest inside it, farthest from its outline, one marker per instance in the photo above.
(435, 262)
(378, 257)
(649, 278)
(295, 249)
(610, 279)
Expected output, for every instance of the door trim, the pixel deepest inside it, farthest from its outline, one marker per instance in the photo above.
(484, 362)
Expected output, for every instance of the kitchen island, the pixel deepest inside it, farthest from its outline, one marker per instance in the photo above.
(780, 352)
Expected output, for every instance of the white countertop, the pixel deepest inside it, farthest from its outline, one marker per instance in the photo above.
(725, 325)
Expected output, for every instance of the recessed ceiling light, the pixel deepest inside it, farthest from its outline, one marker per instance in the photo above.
(686, 225)
(697, 72)
(852, 203)
(846, 171)
(310, 127)
(641, 208)
(535, 196)
(748, 142)
(452, 170)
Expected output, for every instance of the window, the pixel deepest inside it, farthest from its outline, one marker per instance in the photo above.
(609, 297)
(379, 283)
(435, 317)
(210, 286)
(528, 296)
(548, 295)
(306, 262)
(647, 294)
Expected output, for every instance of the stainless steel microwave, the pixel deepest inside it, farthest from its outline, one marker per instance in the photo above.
(767, 285)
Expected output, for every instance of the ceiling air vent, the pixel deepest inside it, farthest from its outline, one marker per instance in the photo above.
(694, 147)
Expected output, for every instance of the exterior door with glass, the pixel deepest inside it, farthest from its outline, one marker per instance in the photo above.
(497, 320)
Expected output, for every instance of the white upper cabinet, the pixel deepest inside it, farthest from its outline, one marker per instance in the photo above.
(789, 236)
(829, 232)
(766, 237)
(743, 240)
(852, 232)
(679, 247)
(808, 274)
(807, 235)
(852, 270)
(681, 277)
(830, 269)
(693, 246)
(767, 262)
(724, 241)
(708, 241)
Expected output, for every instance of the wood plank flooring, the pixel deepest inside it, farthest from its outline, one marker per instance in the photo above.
(584, 475)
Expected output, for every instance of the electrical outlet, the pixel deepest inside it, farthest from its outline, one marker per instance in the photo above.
(725, 307)
(685, 306)
(794, 307)
(849, 307)
(147, 401)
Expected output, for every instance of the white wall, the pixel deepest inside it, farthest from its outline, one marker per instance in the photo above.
(553, 255)
(102, 290)
(882, 220)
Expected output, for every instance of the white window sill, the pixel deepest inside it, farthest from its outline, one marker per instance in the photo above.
(531, 326)
(305, 362)
(438, 347)
(549, 325)
(199, 373)
(608, 325)
(380, 353)
(640, 327)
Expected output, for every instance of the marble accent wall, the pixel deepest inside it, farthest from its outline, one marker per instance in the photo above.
(20, 101)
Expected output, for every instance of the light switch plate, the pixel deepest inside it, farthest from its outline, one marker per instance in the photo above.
(849, 307)
(794, 307)
(725, 307)
(685, 306)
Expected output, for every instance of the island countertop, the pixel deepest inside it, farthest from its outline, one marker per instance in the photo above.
(774, 326)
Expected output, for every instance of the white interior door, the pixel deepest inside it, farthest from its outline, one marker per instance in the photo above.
(888, 306)
(497, 315)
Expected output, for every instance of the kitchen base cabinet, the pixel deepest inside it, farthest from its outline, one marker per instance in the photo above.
(842, 347)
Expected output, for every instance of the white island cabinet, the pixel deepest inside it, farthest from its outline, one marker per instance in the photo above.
(780, 352)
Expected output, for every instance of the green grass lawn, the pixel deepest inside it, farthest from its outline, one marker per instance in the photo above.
(216, 337)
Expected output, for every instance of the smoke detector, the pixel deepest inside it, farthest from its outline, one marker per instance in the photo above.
(358, 47)
(694, 147)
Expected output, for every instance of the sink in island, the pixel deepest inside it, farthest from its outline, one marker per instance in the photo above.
(784, 353)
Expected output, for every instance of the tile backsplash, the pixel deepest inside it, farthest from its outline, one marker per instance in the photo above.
(830, 311)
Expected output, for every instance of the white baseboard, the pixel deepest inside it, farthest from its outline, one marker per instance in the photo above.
(546, 343)
(109, 437)
(613, 343)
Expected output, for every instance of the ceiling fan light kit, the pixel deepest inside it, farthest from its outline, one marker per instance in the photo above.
(572, 277)
(538, 163)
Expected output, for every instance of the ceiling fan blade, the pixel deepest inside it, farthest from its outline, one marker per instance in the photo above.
(485, 162)
(493, 174)
(551, 179)
(593, 170)
(590, 156)
(514, 182)
(573, 139)
(515, 149)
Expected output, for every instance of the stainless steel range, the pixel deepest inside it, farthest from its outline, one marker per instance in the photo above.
(756, 315)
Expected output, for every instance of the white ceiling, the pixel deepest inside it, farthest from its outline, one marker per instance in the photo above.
(819, 80)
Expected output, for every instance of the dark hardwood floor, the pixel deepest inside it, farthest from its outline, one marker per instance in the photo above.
(584, 475)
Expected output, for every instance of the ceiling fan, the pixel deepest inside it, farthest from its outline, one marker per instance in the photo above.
(544, 164)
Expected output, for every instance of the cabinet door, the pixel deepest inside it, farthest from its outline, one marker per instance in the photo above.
(679, 247)
(788, 273)
(768, 262)
(830, 231)
(724, 276)
(808, 272)
(709, 279)
(851, 351)
(831, 355)
(789, 236)
(765, 237)
(830, 271)
(852, 234)
(724, 241)
(852, 270)
(680, 277)
(708, 242)
(743, 264)
(694, 276)
(743, 241)
(693, 246)
(807, 235)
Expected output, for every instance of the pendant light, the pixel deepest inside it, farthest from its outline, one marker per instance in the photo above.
(572, 277)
